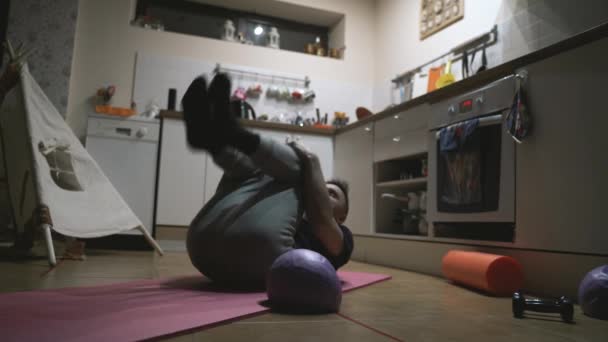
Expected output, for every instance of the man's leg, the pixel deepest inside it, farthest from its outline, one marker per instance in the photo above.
(211, 125)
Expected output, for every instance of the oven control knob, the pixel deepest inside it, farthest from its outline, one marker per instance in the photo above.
(479, 100)
(452, 109)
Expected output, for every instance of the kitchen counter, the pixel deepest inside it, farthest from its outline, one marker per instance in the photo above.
(168, 114)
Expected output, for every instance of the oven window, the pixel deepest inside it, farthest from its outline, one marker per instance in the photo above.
(469, 176)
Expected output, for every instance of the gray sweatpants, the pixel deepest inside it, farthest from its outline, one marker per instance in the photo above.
(252, 217)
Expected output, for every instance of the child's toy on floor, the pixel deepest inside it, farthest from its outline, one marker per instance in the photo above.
(593, 293)
(495, 274)
(303, 281)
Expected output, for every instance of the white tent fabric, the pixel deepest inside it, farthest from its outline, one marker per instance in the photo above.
(47, 165)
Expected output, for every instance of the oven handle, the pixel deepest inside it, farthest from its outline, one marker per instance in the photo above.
(484, 121)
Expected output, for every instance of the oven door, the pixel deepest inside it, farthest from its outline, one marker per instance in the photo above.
(474, 182)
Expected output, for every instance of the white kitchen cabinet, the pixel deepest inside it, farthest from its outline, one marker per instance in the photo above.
(353, 163)
(561, 168)
(402, 134)
(181, 178)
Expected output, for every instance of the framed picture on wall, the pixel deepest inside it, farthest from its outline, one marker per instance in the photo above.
(435, 15)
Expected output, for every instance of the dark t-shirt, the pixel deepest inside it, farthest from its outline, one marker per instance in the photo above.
(305, 238)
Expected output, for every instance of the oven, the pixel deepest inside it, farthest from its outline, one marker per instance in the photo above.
(471, 188)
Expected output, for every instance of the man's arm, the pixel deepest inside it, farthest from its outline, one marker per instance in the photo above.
(317, 203)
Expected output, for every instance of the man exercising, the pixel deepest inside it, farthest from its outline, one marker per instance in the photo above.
(272, 197)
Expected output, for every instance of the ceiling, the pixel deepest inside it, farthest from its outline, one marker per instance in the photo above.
(280, 9)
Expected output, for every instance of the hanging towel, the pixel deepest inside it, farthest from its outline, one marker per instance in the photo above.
(454, 136)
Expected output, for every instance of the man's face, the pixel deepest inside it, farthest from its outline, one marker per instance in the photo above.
(338, 202)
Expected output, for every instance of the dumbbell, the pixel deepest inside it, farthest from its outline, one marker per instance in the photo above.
(563, 306)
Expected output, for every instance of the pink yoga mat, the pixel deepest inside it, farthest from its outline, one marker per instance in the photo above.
(133, 311)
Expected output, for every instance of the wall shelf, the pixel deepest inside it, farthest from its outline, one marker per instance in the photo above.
(404, 184)
(402, 236)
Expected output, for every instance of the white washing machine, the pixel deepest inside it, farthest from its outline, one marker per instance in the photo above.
(126, 150)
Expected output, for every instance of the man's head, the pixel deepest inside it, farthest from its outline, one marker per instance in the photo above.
(338, 195)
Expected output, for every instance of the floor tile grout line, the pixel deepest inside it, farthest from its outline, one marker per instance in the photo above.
(369, 327)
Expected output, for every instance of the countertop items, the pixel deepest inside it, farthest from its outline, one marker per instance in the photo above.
(487, 76)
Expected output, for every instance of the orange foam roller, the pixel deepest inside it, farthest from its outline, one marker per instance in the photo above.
(497, 274)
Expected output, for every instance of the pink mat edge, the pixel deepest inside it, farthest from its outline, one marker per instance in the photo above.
(376, 278)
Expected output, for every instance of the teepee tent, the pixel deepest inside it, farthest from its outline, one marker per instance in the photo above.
(53, 181)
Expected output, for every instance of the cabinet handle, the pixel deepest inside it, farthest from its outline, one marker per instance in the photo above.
(397, 139)
(368, 129)
(396, 117)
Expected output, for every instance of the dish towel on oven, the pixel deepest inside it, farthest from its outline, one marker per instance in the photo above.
(454, 136)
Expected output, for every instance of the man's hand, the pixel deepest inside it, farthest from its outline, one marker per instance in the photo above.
(316, 201)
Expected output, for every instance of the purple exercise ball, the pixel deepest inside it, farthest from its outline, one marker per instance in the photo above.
(593, 293)
(303, 281)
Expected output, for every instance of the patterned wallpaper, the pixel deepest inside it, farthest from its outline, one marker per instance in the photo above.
(49, 27)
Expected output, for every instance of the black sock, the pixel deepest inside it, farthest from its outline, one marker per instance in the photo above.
(244, 140)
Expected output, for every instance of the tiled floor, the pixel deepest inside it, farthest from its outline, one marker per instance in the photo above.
(409, 307)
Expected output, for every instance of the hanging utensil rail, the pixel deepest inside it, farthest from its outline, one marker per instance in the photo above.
(219, 68)
(475, 44)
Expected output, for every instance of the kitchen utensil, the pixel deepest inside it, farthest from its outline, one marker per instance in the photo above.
(172, 97)
(465, 64)
(420, 83)
(311, 48)
(272, 91)
(362, 113)
(413, 202)
(394, 197)
(285, 93)
(410, 224)
(243, 109)
(447, 78)
(335, 53)
(434, 74)
(254, 90)
(423, 225)
(484, 59)
(308, 95)
(240, 94)
(424, 170)
(296, 94)
(422, 201)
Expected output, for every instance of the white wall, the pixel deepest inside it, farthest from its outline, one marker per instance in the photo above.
(106, 45)
(381, 39)
(523, 26)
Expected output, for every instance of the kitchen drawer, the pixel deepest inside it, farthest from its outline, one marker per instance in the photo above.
(410, 120)
(401, 145)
